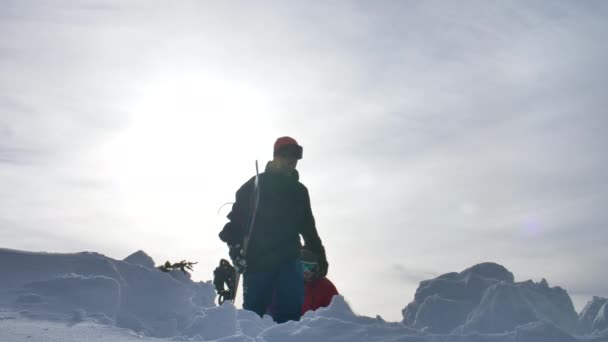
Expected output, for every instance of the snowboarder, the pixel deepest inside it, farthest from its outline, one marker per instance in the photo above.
(282, 213)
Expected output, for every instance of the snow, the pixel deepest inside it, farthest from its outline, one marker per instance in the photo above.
(486, 299)
(92, 286)
(506, 306)
(594, 317)
(442, 304)
(88, 296)
(601, 320)
(140, 258)
(26, 330)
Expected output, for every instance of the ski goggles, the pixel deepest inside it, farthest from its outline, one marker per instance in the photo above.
(310, 266)
(290, 151)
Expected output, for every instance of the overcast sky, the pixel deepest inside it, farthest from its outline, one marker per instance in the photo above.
(436, 134)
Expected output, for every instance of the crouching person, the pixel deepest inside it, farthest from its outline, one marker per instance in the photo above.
(318, 289)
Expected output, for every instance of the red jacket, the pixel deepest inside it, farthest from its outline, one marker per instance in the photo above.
(318, 294)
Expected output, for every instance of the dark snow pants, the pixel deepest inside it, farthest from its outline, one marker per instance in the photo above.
(288, 284)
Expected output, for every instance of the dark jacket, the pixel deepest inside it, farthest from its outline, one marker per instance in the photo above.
(283, 214)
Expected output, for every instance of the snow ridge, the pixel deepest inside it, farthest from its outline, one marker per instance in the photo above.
(103, 299)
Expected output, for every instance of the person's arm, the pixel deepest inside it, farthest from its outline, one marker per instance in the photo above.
(235, 229)
(312, 241)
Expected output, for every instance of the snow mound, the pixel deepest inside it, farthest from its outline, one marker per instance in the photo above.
(485, 299)
(72, 295)
(594, 317)
(338, 322)
(90, 286)
(506, 306)
(600, 322)
(140, 258)
(442, 304)
(88, 296)
(541, 331)
(489, 270)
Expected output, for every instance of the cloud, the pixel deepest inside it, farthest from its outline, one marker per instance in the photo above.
(413, 275)
(473, 131)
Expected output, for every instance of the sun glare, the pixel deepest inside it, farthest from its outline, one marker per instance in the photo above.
(186, 134)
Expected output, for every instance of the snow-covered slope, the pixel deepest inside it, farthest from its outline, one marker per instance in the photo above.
(88, 296)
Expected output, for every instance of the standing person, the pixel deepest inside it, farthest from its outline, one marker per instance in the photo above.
(319, 290)
(283, 214)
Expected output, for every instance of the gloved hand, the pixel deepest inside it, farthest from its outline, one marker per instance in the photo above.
(323, 266)
(319, 257)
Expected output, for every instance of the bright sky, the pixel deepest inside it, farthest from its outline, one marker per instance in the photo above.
(436, 134)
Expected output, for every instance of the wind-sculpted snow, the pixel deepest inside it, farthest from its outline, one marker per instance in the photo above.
(88, 296)
(92, 286)
(506, 306)
(594, 317)
(140, 258)
(442, 304)
(485, 299)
